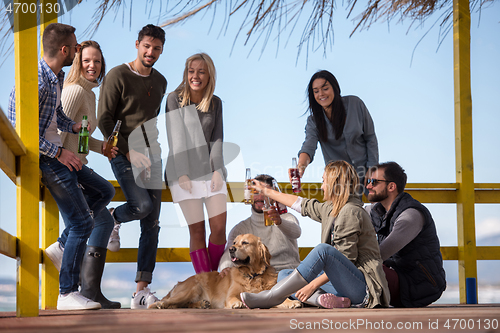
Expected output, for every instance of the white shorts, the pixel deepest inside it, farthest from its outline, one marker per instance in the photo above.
(199, 189)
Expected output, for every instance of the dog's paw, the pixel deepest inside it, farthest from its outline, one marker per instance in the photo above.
(238, 305)
(295, 304)
(204, 304)
(290, 304)
(156, 305)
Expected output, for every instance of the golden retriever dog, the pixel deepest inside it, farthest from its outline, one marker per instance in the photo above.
(251, 273)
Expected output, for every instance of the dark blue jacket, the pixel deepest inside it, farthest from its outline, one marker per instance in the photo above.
(419, 264)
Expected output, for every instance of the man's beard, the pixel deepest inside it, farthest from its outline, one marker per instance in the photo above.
(377, 197)
(260, 211)
(68, 61)
(147, 65)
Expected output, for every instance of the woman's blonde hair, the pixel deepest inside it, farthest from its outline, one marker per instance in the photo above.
(341, 181)
(183, 90)
(76, 68)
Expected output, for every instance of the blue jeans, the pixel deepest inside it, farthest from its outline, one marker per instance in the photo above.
(100, 192)
(346, 280)
(77, 211)
(144, 205)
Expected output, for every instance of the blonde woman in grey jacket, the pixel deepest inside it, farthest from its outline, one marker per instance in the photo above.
(346, 269)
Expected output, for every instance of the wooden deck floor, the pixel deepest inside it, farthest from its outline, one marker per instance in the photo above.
(436, 318)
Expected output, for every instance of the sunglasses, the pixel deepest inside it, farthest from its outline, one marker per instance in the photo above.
(374, 181)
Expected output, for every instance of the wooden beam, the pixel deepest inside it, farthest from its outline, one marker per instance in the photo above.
(466, 231)
(9, 135)
(10, 147)
(50, 232)
(26, 73)
(182, 254)
(8, 244)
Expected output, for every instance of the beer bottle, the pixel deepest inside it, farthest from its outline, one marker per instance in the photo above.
(147, 171)
(295, 176)
(248, 193)
(279, 206)
(83, 137)
(113, 139)
(268, 206)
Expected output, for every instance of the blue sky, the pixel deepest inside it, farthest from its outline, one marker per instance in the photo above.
(406, 83)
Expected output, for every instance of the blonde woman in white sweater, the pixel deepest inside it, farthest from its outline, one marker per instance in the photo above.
(79, 100)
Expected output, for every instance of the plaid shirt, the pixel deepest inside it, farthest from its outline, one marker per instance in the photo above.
(47, 101)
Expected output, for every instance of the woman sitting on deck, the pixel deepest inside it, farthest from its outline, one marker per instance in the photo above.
(346, 268)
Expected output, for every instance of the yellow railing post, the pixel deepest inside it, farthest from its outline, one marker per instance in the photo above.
(50, 232)
(26, 69)
(467, 267)
(50, 212)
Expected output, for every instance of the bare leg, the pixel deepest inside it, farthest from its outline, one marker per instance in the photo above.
(217, 214)
(216, 208)
(193, 212)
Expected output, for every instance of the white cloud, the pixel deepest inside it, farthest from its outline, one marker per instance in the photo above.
(488, 227)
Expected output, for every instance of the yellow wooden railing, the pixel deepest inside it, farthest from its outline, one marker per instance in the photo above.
(19, 161)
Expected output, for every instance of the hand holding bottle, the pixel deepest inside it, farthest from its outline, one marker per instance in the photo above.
(83, 136)
(113, 140)
(112, 152)
(78, 126)
(274, 215)
(140, 161)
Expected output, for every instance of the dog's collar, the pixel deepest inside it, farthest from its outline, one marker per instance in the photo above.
(252, 276)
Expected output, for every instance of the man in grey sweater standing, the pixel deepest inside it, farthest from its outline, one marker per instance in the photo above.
(280, 238)
(132, 93)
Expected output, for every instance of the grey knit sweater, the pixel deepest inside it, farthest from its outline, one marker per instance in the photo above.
(281, 241)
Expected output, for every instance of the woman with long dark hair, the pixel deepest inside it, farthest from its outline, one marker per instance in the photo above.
(341, 124)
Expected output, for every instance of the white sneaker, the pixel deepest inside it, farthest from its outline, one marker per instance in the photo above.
(114, 238)
(55, 253)
(76, 301)
(143, 299)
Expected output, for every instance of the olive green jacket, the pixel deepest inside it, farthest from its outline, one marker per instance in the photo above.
(354, 237)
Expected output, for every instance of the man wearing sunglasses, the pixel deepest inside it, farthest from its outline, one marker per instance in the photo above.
(407, 236)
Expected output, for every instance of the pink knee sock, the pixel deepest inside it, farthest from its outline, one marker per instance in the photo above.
(200, 260)
(215, 253)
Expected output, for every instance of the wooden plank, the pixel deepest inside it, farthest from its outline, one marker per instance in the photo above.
(180, 254)
(8, 244)
(10, 147)
(445, 193)
(9, 135)
(7, 160)
(449, 252)
(488, 252)
(26, 73)
(466, 230)
(50, 232)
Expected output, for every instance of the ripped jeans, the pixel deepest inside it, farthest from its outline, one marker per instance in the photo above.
(144, 205)
(79, 195)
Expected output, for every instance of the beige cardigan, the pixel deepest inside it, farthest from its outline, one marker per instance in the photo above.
(78, 100)
(355, 238)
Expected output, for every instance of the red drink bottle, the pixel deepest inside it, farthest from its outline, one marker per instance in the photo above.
(295, 176)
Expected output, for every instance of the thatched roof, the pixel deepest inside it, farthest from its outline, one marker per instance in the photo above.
(261, 17)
